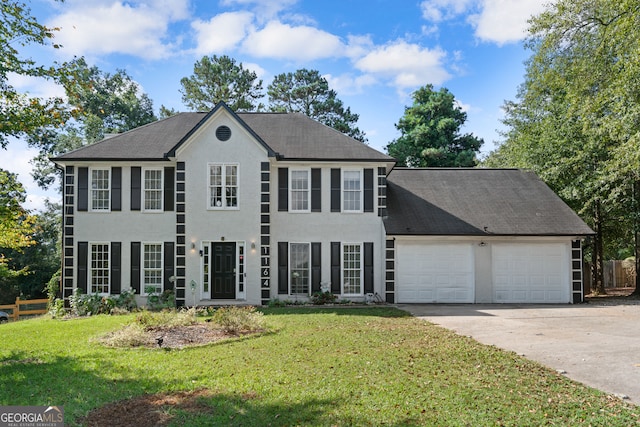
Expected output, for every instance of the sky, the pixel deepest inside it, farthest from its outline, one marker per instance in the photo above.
(373, 53)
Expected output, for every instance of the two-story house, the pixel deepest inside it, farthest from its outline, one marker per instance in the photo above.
(241, 208)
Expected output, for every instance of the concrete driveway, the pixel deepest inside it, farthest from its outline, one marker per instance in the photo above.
(597, 345)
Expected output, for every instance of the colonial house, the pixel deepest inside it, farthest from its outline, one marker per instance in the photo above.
(242, 208)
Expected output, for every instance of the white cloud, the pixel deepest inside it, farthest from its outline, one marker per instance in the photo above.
(407, 65)
(347, 84)
(221, 33)
(441, 10)
(301, 43)
(505, 21)
(265, 9)
(104, 27)
(36, 87)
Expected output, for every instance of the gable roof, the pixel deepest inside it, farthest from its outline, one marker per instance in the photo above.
(288, 136)
(476, 202)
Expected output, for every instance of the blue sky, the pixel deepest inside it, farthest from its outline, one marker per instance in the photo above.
(374, 53)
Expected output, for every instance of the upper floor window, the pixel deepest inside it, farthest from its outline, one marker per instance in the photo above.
(351, 191)
(223, 186)
(100, 189)
(300, 189)
(152, 190)
(99, 269)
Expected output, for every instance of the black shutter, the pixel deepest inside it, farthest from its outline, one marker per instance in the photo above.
(336, 188)
(283, 268)
(316, 190)
(136, 187)
(168, 265)
(135, 267)
(83, 189)
(335, 267)
(368, 190)
(83, 258)
(169, 190)
(116, 270)
(316, 263)
(116, 189)
(368, 268)
(283, 189)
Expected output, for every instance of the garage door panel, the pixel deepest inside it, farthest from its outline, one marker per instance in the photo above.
(435, 273)
(530, 273)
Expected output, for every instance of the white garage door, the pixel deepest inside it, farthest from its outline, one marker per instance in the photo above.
(436, 273)
(531, 273)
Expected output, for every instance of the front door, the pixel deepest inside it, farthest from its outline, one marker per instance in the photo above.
(223, 272)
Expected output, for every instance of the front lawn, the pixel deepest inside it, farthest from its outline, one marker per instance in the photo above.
(325, 367)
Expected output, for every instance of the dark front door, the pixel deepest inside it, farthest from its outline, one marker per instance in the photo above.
(223, 271)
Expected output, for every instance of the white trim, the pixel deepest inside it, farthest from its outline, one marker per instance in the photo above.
(342, 278)
(290, 190)
(90, 268)
(205, 245)
(144, 189)
(289, 273)
(360, 172)
(223, 201)
(91, 189)
(143, 285)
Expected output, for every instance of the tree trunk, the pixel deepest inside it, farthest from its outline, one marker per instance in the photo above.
(598, 253)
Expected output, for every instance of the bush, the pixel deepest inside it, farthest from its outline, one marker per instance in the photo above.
(167, 318)
(91, 304)
(132, 335)
(320, 298)
(159, 301)
(235, 320)
(56, 308)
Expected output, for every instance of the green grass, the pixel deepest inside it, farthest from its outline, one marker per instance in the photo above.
(325, 367)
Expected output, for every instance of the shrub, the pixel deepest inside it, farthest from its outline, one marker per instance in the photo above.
(320, 298)
(56, 308)
(167, 318)
(159, 301)
(132, 335)
(235, 320)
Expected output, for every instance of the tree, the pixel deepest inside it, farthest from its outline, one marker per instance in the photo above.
(220, 78)
(430, 133)
(577, 118)
(307, 92)
(21, 113)
(16, 225)
(105, 103)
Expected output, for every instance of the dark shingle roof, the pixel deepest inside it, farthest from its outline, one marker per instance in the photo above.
(291, 136)
(476, 202)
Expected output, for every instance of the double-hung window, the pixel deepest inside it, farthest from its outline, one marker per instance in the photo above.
(300, 191)
(99, 268)
(100, 189)
(352, 269)
(152, 190)
(223, 186)
(352, 191)
(299, 273)
(152, 268)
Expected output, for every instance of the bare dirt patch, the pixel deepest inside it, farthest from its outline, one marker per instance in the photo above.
(184, 336)
(148, 410)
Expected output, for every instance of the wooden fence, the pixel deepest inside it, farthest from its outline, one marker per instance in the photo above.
(616, 275)
(28, 307)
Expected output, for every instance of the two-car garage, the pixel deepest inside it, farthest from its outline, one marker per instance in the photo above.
(480, 271)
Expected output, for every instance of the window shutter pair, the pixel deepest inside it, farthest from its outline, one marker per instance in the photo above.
(336, 190)
(336, 270)
(283, 267)
(167, 265)
(283, 190)
(168, 190)
(83, 189)
(115, 263)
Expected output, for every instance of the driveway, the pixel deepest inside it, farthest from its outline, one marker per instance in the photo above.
(597, 345)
